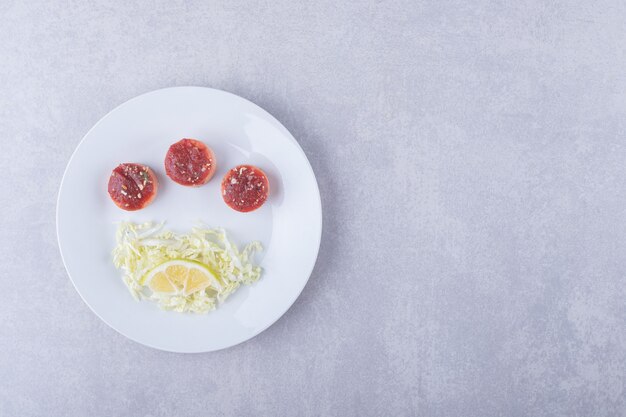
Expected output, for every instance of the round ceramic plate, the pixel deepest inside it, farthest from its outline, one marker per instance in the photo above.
(141, 130)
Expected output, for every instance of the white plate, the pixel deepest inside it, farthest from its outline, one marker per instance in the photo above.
(289, 225)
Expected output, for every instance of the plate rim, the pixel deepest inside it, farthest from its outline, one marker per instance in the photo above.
(316, 193)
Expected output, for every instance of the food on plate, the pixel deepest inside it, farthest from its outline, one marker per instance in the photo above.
(181, 276)
(245, 188)
(190, 162)
(132, 186)
(190, 272)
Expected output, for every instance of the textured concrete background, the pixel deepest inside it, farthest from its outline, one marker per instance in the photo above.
(472, 162)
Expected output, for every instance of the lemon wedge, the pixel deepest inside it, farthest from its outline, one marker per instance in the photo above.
(181, 276)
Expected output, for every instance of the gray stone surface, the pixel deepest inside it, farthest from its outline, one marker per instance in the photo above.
(471, 158)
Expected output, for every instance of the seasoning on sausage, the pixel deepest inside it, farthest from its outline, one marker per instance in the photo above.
(132, 186)
(190, 162)
(245, 188)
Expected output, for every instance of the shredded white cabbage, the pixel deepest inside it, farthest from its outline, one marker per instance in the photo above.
(142, 247)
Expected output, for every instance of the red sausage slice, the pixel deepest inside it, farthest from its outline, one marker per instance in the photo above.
(245, 188)
(132, 186)
(190, 162)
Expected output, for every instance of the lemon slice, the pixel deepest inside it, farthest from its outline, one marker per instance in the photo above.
(181, 276)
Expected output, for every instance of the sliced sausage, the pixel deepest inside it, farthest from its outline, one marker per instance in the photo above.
(245, 188)
(132, 186)
(190, 162)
